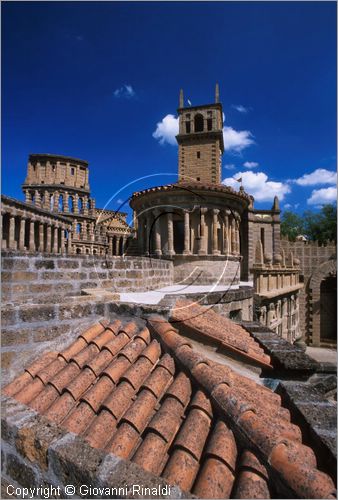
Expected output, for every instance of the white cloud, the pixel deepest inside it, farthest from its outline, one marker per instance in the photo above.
(119, 201)
(250, 164)
(287, 206)
(323, 196)
(166, 130)
(319, 176)
(258, 185)
(236, 140)
(229, 166)
(240, 108)
(126, 91)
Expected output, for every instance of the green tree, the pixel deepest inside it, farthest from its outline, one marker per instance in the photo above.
(291, 225)
(321, 226)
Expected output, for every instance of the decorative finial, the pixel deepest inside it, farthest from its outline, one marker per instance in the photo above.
(217, 93)
(275, 205)
(181, 99)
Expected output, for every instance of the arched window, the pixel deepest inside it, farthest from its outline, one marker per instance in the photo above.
(60, 203)
(80, 205)
(78, 228)
(199, 123)
(78, 250)
(71, 204)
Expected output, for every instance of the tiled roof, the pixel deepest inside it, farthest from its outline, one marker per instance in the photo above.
(145, 395)
(204, 322)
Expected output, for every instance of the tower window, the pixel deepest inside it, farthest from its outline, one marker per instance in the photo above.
(198, 154)
(198, 178)
(53, 168)
(209, 123)
(187, 127)
(72, 171)
(199, 123)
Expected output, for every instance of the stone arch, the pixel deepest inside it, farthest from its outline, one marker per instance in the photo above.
(326, 270)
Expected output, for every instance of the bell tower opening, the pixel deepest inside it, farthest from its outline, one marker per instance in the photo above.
(200, 141)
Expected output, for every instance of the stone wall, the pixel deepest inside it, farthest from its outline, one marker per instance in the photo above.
(41, 278)
(311, 256)
(211, 270)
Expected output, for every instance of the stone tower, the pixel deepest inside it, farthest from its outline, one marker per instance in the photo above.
(60, 184)
(200, 141)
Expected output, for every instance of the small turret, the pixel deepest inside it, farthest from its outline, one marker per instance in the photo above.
(181, 102)
(275, 205)
(217, 93)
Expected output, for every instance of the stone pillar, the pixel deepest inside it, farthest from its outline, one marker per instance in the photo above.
(28, 197)
(85, 204)
(147, 242)
(46, 201)
(62, 242)
(65, 202)
(12, 243)
(158, 250)
(171, 250)
(215, 250)
(202, 242)
(56, 238)
(69, 243)
(117, 245)
(84, 230)
(22, 233)
(284, 317)
(233, 236)
(91, 231)
(76, 203)
(226, 233)
(238, 243)
(123, 244)
(41, 237)
(56, 201)
(37, 199)
(186, 250)
(49, 239)
(31, 236)
(110, 243)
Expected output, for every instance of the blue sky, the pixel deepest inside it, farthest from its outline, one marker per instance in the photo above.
(97, 80)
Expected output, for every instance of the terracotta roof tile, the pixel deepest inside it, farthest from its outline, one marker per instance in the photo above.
(81, 383)
(101, 429)
(98, 392)
(79, 418)
(60, 408)
(92, 332)
(44, 399)
(252, 478)
(167, 412)
(203, 321)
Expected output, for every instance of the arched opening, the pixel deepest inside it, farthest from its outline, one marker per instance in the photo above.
(328, 310)
(78, 250)
(60, 206)
(71, 204)
(78, 228)
(178, 236)
(80, 205)
(199, 123)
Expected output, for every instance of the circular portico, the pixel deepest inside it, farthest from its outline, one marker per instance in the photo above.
(195, 224)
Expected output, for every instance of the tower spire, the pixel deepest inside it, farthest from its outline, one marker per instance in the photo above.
(181, 103)
(217, 93)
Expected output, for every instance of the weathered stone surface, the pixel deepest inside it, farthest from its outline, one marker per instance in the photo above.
(31, 313)
(20, 472)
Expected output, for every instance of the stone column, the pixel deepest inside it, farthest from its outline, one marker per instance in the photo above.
(238, 243)
(123, 244)
(12, 243)
(76, 203)
(62, 242)
(202, 242)
(171, 250)
(110, 243)
(91, 231)
(31, 236)
(117, 245)
(41, 237)
(284, 317)
(56, 201)
(158, 250)
(69, 243)
(84, 230)
(215, 250)
(147, 242)
(186, 250)
(49, 238)
(85, 204)
(226, 233)
(65, 202)
(92, 206)
(46, 201)
(22, 234)
(233, 235)
(56, 238)
(37, 199)
(28, 197)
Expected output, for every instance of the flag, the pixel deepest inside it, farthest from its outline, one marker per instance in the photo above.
(239, 180)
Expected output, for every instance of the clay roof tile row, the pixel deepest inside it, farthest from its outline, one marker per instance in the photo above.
(150, 398)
